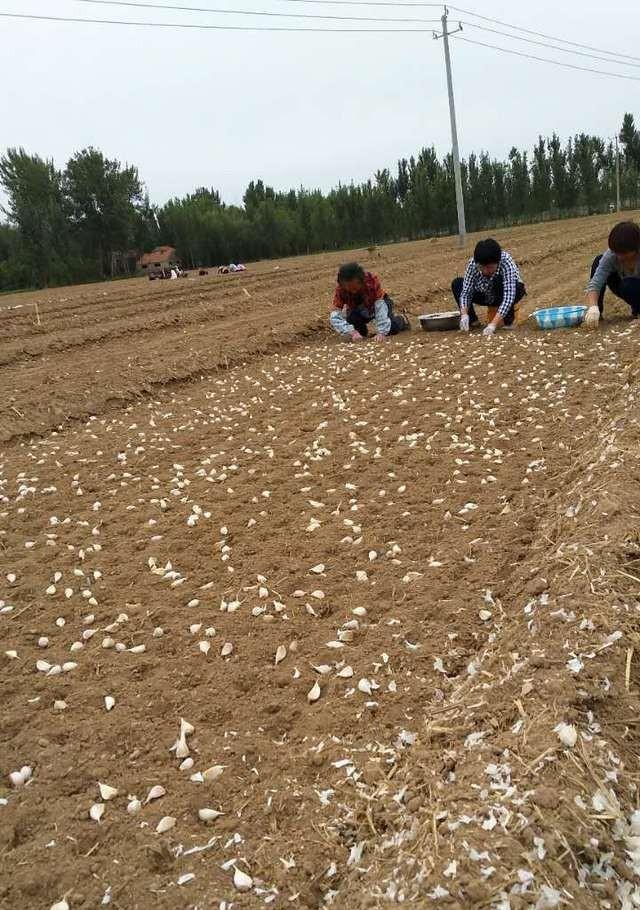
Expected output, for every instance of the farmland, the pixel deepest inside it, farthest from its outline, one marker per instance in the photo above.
(375, 608)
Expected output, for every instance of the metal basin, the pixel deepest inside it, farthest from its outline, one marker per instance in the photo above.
(440, 322)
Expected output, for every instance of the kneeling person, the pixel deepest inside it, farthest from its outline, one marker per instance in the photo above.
(619, 270)
(359, 300)
(492, 279)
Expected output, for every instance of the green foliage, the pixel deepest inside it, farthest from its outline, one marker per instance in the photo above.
(64, 226)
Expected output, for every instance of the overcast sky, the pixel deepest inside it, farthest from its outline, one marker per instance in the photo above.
(193, 108)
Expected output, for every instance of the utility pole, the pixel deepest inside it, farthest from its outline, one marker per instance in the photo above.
(618, 204)
(462, 226)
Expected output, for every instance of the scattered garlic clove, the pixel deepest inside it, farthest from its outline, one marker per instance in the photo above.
(213, 773)
(59, 705)
(16, 779)
(43, 666)
(281, 653)
(242, 881)
(12, 655)
(187, 764)
(155, 793)
(96, 811)
(364, 686)
(314, 693)
(485, 615)
(43, 642)
(208, 815)
(109, 702)
(204, 646)
(227, 649)
(165, 824)
(134, 806)
(186, 729)
(567, 734)
(60, 905)
(69, 666)
(138, 649)
(107, 792)
(322, 669)
(182, 748)
(318, 570)
(345, 673)
(359, 611)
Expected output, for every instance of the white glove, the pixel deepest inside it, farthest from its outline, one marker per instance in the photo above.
(489, 330)
(464, 322)
(592, 317)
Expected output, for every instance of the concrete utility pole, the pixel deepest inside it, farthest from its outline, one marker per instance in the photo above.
(462, 226)
(618, 203)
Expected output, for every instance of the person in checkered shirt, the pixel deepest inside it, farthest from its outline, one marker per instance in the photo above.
(360, 300)
(492, 279)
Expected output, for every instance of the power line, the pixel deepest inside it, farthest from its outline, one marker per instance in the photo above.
(571, 66)
(519, 28)
(553, 47)
(243, 12)
(219, 28)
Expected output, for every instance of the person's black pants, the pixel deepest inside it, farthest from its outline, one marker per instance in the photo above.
(479, 298)
(627, 289)
(359, 317)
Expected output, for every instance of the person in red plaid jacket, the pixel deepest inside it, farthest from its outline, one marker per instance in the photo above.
(358, 300)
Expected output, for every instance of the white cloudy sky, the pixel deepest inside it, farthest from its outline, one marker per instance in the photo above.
(193, 108)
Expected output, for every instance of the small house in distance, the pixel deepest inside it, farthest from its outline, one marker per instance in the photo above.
(159, 261)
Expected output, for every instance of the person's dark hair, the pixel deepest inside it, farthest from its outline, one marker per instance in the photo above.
(487, 252)
(625, 238)
(350, 271)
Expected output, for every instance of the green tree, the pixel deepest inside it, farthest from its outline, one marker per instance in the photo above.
(104, 199)
(37, 208)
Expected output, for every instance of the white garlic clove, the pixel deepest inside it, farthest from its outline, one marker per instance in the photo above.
(227, 649)
(69, 666)
(208, 815)
(165, 824)
(345, 673)
(314, 693)
(155, 793)
(59, 705)
(109, 702)
(107, 792)
(96, 811)
(187, 764)
(204, 646)
(318, 570)
(281, 653)
(43, 666)
(213, 773)
(138, 649)
(364, 686)
(43, 642)
(567, 734)
(60, 905)
(16, 779)
(242, 881)
(182, 749)
(322, 669)
(134, 806)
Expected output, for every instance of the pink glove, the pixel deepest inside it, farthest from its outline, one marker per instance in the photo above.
(380, 338)
(356, 336)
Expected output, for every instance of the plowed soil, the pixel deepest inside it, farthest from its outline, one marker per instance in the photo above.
(374, 581)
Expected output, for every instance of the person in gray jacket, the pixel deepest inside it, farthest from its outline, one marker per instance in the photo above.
(619, 270)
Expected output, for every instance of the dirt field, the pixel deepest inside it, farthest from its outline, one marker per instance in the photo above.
(374, 581)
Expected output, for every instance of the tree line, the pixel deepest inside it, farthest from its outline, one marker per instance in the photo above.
(91, 220)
